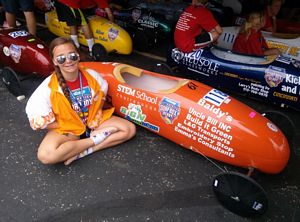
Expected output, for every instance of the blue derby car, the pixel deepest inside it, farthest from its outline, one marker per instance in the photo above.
(273, 79)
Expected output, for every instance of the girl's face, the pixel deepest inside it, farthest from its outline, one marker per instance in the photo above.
(65, 56)
(257, 22)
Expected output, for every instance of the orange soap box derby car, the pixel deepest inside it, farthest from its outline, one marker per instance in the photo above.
(202, 119)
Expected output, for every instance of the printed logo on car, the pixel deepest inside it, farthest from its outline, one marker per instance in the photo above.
(272, 127)
(15, 52)
(169, 110)
(17, 34)
(177, 55)
(6, 51)
(113, 34)
(135, 114)
(274, 75)
(215, 97)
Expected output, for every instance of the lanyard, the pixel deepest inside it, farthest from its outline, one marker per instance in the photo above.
(84, 110)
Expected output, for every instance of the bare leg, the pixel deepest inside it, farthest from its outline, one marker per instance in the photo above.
(31, 22)
(102, 135)
(11, 19)
(73, 30)
(87, 31)
(121, 130)
(88, 36)
(57, 148)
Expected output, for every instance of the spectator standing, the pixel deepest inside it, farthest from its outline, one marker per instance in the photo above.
(69, 11)
(196, 27)
(11, 8)
(103, 4)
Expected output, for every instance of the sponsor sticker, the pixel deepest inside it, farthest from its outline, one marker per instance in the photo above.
(283, 59)
(113, 34)
(40, 46)
(6, 51)
(274, 75)
(252, 114)
(135, 114)
(215, 97)
(272, 127)
(15, 52)
(17, 34)
(169, 110)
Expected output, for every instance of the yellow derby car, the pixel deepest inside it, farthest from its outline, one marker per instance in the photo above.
(111, 36)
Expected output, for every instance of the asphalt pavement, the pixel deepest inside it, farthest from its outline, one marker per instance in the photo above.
(147, 178)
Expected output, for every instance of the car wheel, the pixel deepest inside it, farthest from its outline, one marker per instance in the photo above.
(283, 121)
(12, 83)
(99, 53)
(240, 194)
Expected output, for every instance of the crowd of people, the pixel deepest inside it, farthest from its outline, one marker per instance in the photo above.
(69, 11)
(70, 103)
(197, 27)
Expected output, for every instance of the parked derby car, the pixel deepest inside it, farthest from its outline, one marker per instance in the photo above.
(289, 44)
(111, 36)
(204, 120)
(273, 79)
(24, 54)
(145, 27)
(169, 10)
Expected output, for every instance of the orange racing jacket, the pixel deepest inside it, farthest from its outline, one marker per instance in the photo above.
(48, 104)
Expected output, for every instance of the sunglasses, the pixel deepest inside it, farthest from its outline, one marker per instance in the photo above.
(72, 56)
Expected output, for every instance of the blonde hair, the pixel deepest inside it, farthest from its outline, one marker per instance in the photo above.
(246, 28)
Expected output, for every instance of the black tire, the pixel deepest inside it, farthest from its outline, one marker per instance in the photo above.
(140, 41)
(284, 123)
(240, 194)
(99, 53)
(12, 82)
(162, 68)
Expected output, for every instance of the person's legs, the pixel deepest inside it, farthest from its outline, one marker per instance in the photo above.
(74, 36)
(71, 17)
(113, 131)
(10, 8)
(27, 6)
(88, 36)
(57, 148)
(202, 40)
(125, 131)
(31, 22)
(86, 30)
(10, 19)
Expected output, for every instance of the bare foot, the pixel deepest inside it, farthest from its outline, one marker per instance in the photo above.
(70, 160)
